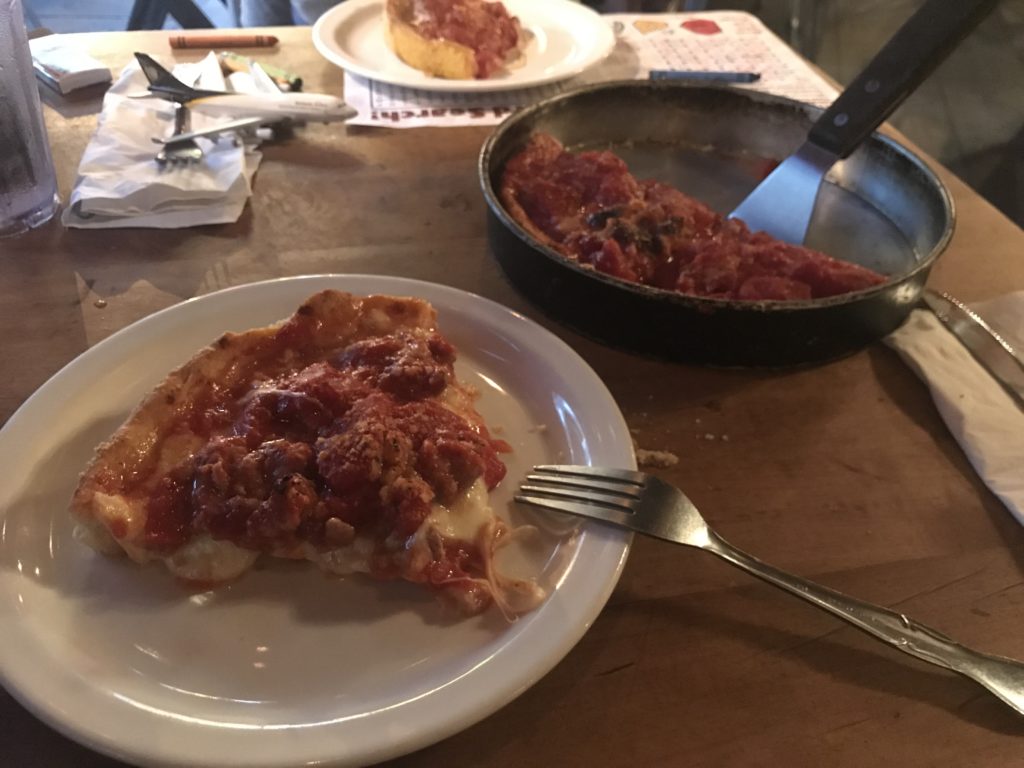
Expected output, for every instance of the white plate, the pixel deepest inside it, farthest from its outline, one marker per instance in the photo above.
(565, 39)
(285, 666)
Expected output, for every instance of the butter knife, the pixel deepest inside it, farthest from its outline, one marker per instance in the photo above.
(993, 351)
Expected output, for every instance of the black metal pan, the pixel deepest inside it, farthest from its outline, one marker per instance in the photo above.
(881, 207)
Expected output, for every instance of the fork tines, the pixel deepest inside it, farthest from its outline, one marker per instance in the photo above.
(601, 473)
(606, 494)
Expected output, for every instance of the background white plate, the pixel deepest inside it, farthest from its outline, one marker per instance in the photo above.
(565, 39)
(286, 666)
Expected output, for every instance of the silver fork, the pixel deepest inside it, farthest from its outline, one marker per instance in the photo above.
(183, 152)
(646, 504)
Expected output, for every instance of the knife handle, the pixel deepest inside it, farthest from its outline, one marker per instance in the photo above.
(916, 49)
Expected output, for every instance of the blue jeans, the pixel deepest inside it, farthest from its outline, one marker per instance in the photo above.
(274, 13)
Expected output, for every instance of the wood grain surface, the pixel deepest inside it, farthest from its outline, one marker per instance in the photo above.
(842, 473)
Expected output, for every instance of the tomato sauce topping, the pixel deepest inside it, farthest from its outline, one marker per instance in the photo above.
(594, 211)
(486, 27)
(356, 443)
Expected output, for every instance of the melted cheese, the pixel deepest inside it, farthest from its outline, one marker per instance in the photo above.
(207, 560)
(464, 518)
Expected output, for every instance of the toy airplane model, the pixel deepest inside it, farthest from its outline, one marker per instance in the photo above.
(248, 109)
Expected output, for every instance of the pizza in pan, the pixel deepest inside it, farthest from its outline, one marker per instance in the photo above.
(454, 39)
(340, 435)
(588, 207)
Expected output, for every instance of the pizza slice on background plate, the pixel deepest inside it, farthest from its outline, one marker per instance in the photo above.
(454, 39)
(340, 435)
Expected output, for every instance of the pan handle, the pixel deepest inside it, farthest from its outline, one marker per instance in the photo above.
(916, 49)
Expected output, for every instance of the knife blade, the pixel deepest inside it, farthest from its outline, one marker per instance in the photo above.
(993, 351)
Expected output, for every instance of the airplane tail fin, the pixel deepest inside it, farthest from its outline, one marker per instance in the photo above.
(163, 83)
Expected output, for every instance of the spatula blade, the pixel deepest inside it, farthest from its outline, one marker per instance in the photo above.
(783, 203)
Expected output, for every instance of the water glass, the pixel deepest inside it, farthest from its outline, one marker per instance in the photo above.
(28, 185)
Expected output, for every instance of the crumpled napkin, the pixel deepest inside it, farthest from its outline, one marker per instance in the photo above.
(984, 419)
(120, 184)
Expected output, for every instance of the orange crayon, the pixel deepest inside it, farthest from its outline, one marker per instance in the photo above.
(222, 41)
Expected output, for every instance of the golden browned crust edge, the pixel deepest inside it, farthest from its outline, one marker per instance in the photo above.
(337, 319)
(439, 58)
(511, 202)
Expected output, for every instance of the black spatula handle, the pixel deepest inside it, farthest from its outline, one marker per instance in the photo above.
(916, 49)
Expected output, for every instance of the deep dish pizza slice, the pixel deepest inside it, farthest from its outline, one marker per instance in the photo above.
(454, 39)
(590, 208)
(340, 436)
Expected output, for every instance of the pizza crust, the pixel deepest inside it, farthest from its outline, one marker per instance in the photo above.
(447, 58)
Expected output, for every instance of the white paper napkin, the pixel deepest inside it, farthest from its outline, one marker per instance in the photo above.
(119, 182)
(979, 413)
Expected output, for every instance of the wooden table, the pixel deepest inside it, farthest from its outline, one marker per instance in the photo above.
(842, 473)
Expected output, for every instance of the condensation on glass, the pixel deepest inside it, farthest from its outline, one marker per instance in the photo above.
(28, 187)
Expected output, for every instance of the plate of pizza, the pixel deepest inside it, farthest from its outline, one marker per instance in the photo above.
(273, 525)
(463, 45)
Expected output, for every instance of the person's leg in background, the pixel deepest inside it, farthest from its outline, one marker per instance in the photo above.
(262, 13)
(275, 13)
(308, 11)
